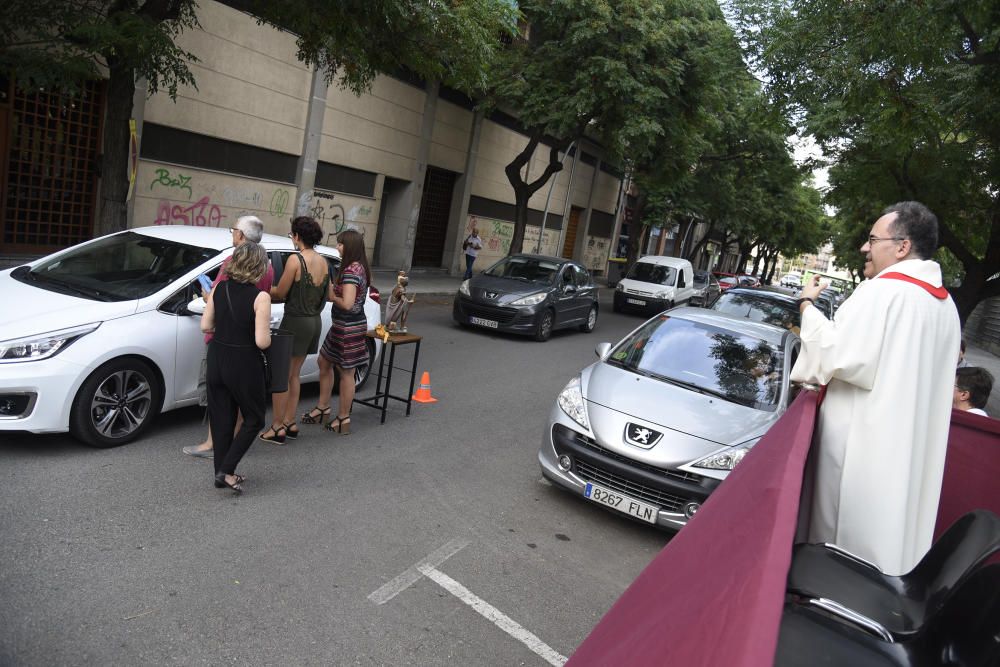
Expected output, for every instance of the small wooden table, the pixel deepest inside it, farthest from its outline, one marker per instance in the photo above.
(380, 400)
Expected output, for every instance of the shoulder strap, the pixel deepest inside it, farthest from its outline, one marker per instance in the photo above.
(302, 263)
(936, 292)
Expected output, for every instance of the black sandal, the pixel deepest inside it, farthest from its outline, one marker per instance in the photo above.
(341, 425)
(289, 432)
(312, 418)
(221, 483)
(279, 435)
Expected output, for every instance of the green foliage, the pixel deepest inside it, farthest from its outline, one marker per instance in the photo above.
(622, 71)
(902, 98)
(456, 42)
(60, 43)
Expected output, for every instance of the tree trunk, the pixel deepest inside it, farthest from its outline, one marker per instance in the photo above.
(523, 190)
(113, 214)
(977, 285)
(636, 230)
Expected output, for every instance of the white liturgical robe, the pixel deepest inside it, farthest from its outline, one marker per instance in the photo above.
(888, 358)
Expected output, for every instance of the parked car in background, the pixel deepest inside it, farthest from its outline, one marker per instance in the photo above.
(655, 283)
(706, 288)
(726, 280)
(746, 280)
(653, 427)
(792, 279)
(777, 306)
(529, 294)
(98, 338)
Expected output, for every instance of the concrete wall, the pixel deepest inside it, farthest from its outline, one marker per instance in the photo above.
(250, 86)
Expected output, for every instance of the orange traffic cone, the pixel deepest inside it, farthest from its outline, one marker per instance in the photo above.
(423, 394)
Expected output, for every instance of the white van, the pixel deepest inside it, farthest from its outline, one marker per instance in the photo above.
(655, 283)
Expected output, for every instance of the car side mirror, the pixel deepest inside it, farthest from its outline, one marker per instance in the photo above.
(602, 350)
(195, 307)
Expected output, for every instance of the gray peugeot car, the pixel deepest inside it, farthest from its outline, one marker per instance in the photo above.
(654, 426)
(529, 294)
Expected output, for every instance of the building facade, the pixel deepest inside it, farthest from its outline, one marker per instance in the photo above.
(409, 164)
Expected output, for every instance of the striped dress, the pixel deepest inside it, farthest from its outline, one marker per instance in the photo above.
(344, 345)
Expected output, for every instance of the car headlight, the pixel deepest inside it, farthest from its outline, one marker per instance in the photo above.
(662, 295)
(572, 403)
(41, 346)
(619, 287)
(464, 288)
(530, 300)
(726, 460)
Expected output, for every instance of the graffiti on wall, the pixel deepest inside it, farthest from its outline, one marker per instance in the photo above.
(202, 213)
(177, 181)
(497, 235)
(171, 195)
(182, 196)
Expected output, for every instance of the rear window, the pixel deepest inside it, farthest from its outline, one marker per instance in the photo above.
(778, 312)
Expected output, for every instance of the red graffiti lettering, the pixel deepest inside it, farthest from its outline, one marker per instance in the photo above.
(202, 213)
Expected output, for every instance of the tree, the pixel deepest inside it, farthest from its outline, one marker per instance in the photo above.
(58, 43)
(622, 73)
(901, 110)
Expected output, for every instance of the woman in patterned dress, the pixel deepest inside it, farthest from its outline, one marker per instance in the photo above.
(344, 348)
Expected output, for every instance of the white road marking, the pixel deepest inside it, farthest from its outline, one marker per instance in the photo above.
(488, 611)
(413, 574)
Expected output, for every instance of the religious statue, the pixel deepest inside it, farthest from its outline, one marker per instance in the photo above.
(399, 305)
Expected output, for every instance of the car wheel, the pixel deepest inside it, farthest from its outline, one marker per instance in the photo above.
(116, 404)
(544, 329)
(615, 307)
(361, 373)
(591, 322)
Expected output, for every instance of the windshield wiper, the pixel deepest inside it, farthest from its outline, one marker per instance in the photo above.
(705, 390)
(71, 288)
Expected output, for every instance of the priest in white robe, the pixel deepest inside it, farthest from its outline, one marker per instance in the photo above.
(888, 360)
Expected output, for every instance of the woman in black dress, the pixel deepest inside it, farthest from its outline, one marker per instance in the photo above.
(239, 314)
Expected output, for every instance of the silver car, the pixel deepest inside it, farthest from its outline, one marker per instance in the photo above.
(654, 427)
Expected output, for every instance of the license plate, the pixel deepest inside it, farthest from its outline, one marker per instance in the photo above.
(492, 324)
(624, 504)
(638, 302)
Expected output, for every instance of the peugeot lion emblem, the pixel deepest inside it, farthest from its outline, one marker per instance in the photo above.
(492, 295)
(640, 436)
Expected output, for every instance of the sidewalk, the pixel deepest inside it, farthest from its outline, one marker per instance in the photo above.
(426, 282)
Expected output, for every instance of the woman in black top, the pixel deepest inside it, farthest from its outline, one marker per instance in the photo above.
(239, 314)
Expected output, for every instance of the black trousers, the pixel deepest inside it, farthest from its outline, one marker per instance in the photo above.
(235, 384)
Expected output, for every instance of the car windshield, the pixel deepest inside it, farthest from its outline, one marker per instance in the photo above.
(528, 269)
(700, 279)
(652, 273)
(727, 281)
(759, 308)
(707, 359)
(120, 267)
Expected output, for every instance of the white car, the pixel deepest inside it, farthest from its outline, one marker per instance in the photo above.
(97, 339)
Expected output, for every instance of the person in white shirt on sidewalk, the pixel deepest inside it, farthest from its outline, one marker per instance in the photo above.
(472, 245)
(882, 429)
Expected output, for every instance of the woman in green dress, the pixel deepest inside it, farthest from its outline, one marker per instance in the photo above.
(303, 288)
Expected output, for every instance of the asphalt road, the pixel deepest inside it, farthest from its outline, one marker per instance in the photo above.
(371, 549)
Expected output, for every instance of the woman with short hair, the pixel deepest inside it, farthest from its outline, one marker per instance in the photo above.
(239, 316)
